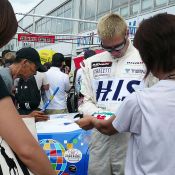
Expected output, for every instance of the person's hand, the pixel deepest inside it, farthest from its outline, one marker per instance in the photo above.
(86, 122)
(39, 116)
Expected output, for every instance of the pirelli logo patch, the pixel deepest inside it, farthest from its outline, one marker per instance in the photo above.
(100, 64)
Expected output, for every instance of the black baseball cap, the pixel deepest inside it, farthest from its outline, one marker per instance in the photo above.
(32, 55)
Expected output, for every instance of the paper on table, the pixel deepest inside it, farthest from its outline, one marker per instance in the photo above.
(64, 118)
(58, 123)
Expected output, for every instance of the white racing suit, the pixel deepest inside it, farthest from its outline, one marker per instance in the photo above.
(106, 81)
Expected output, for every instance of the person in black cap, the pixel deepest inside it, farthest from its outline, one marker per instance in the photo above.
(31, 55)
(25, 65)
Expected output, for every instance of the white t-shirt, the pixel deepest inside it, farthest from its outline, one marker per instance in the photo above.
(56, 78)
(149, 116)
(41, 79)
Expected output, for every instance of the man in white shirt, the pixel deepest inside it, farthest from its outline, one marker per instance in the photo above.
(56, 79)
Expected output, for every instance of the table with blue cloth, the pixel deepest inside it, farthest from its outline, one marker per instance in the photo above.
(65, 144)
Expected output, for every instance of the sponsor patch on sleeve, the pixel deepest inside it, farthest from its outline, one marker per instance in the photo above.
(101, 69)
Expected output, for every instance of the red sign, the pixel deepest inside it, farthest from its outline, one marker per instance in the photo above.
(36, 38)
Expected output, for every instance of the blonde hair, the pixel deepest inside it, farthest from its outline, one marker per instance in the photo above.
(9, 56)
(111, 25)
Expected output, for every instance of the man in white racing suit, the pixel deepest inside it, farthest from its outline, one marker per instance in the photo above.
(107, 79)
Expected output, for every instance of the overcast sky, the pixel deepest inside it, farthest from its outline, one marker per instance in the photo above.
(23, 6)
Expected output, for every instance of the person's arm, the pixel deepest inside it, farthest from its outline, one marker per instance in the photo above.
(128, 119)
(16, 134)
(38, 115)
(104, 126)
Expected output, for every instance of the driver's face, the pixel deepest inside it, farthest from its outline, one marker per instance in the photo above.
(116, 46)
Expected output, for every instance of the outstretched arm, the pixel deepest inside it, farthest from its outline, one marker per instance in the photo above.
(16, 134)
(104, 126)
(38, 115)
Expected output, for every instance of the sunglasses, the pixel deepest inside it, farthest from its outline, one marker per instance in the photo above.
(117, 48)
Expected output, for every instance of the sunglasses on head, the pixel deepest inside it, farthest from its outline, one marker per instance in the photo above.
(117, 48)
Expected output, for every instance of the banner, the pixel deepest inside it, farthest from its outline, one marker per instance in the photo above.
(65, 144)
(36, 38)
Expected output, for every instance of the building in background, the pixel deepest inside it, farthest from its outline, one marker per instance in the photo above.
(72, 37)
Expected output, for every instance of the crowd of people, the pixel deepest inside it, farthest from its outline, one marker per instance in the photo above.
(31, 90)
(132, 82)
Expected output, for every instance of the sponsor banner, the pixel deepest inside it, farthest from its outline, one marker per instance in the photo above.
(65, 144)
(36, 38)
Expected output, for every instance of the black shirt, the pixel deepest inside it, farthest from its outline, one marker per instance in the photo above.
(3, 89)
